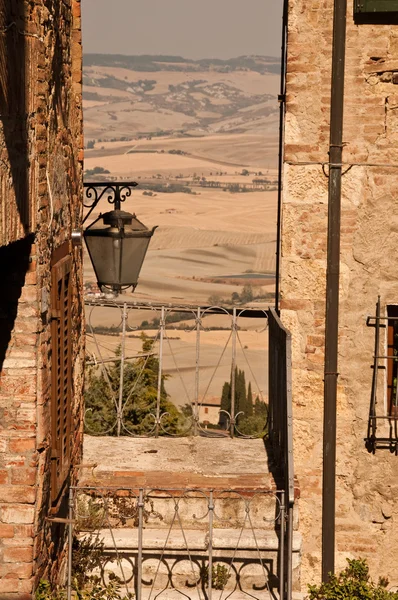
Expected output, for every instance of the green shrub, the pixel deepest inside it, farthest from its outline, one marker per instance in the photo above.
(354, 583)
(87, 555)
(219, 576)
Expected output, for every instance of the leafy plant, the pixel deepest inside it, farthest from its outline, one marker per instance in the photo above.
(44, 592)
(219, 576)
(140, 388)
(87, 555)
(95, 590)
(353, 583)
(90, 514)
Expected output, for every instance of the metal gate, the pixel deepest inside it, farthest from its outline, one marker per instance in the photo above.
(201, 544)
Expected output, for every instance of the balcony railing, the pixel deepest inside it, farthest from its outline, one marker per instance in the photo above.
(195, 367)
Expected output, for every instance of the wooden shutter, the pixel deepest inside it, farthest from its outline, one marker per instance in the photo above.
(61, 371)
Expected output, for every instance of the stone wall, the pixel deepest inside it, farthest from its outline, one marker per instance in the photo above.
(41, 152)
(366, 484)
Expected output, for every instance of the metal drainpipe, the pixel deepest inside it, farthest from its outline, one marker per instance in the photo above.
(332, 289)
(282, 104)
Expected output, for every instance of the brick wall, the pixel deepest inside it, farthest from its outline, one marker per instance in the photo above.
(41, 151)
(366, 483)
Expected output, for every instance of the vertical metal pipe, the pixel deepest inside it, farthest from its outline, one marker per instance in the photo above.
(70, 545)
(210, 565)
(282, 104)
(282, 549)
(196, 415)
(332, 289)
(233, 369)
(138, 576)
(289, 566)
(162, 327)
(121, 381)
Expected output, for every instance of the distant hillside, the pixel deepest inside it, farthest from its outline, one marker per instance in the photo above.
(147, 63)
(126, 97)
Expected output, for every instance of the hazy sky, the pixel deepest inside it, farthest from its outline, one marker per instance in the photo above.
(190, 28)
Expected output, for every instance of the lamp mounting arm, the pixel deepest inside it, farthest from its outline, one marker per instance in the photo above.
(115, 193)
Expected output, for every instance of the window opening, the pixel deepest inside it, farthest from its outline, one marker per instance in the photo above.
(378, 436)
(61, 369)
(392, 362)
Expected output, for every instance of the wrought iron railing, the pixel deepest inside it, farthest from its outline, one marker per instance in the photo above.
(198, 386)
(280, 423)
(195, 543)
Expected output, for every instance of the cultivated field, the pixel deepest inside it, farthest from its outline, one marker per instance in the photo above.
(180, 353)
(210, 241)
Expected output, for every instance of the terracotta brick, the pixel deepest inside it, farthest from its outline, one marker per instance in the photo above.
(8, 585)
(26, 585)
(17, 513)
(18, 555)
(6, 531)
(15, 461)
(22, 445)
(17, 493)
(23, 475)
(29, 294)
(24, 531)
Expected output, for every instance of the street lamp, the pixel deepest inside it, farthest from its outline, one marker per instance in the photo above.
(116, 241)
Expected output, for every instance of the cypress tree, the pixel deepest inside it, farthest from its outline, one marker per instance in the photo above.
(249, 401)
(240, 391)
(225, 405)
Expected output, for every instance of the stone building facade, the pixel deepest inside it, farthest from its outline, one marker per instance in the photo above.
(367, 483)
(41, 315)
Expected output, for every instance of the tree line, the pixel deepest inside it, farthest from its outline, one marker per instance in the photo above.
(253, 417)
(139, 399)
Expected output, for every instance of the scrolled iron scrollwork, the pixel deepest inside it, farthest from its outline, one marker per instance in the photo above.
(114, 192)
(176, 561)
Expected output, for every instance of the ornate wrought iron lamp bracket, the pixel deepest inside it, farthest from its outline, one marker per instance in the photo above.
(115, 193)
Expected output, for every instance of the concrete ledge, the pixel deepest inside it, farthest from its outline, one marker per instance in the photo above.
(195, 540)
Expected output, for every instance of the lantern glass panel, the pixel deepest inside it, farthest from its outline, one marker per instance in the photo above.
(132, 257)
(105, 254)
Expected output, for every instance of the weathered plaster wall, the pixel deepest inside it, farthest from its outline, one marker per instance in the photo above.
(367, 485)
(40, 203)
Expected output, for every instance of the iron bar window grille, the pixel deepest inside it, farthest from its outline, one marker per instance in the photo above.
(383, 411)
